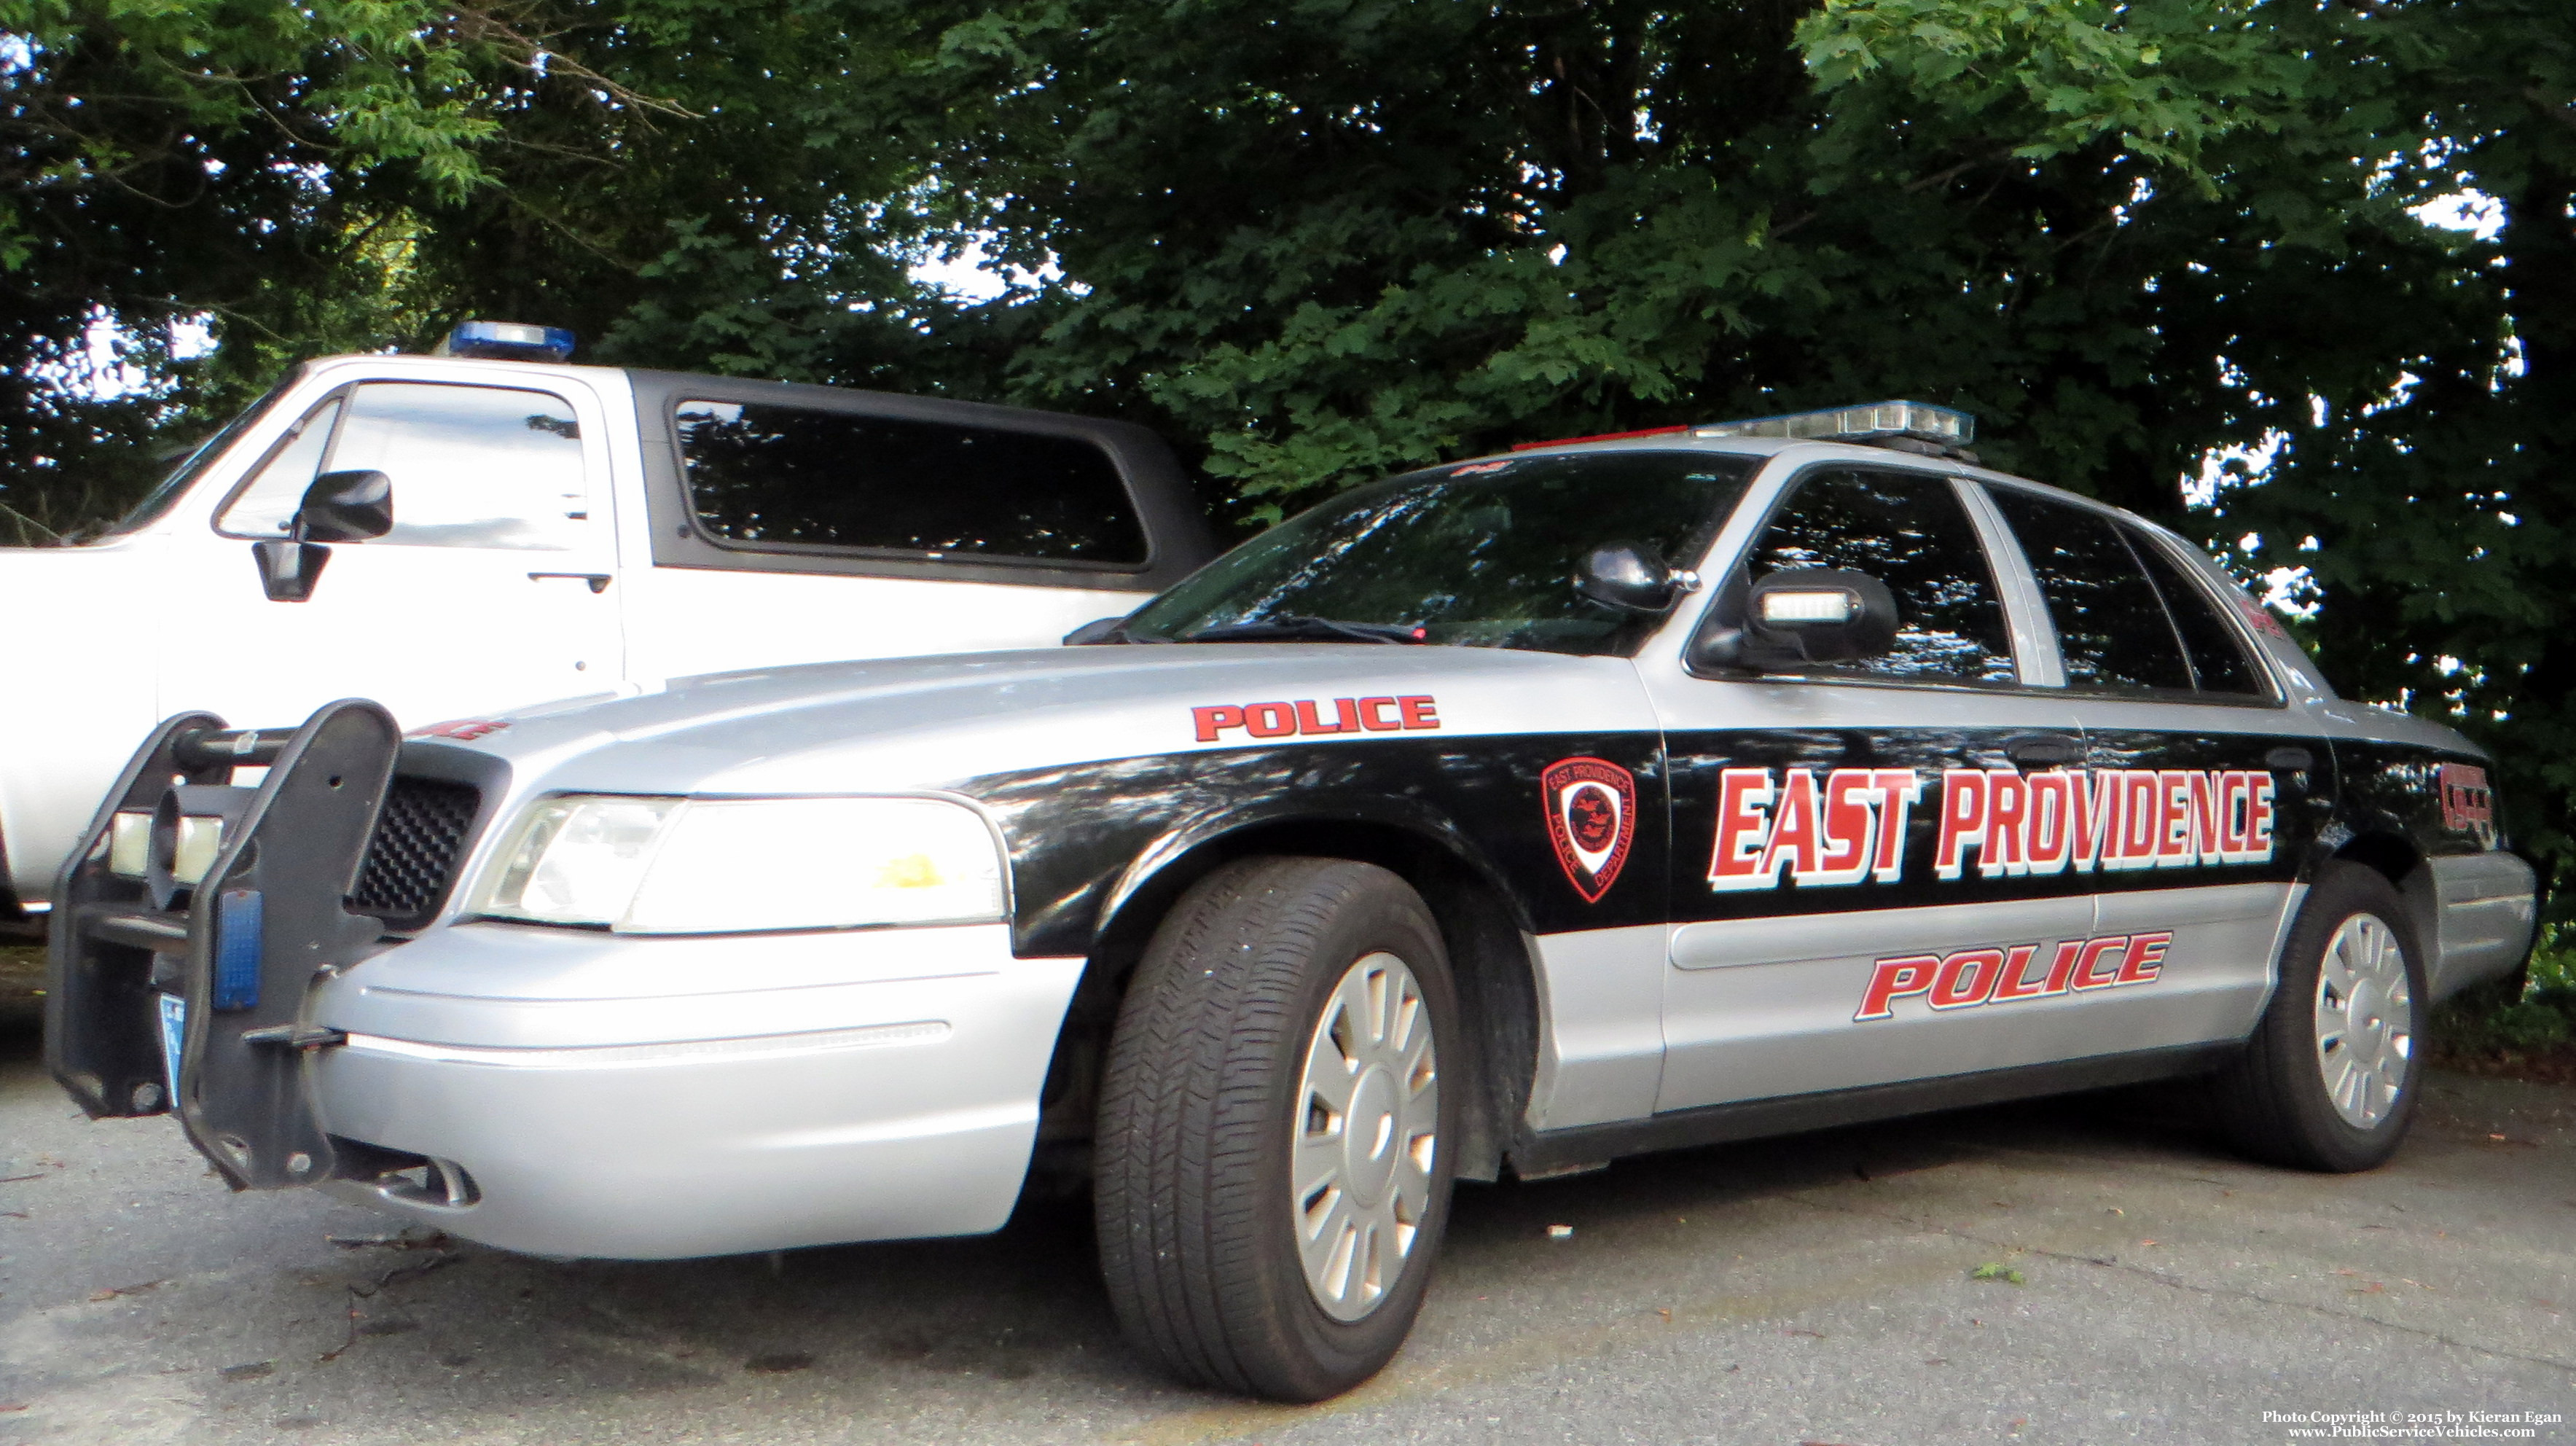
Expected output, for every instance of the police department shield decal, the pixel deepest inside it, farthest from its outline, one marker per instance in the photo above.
(1592, 819)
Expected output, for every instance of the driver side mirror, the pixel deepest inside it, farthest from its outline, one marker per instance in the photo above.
(346, 507)
(1631, 577)
(1802, 617)
(351, 506)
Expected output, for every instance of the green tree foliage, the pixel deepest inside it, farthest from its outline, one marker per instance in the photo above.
(1317, 240)
(161, 161)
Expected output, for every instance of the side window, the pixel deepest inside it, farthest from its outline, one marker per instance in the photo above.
(2111, 626)
(2128, 619)
(767, 475)
(2218, 661)
(496, 467)
(266, 508)
(1909, 532)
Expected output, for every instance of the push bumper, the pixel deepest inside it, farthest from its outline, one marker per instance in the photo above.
(557, 1091)
(587, 1094)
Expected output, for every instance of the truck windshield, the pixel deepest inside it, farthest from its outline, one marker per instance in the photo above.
(1478, 555)
(191, 467)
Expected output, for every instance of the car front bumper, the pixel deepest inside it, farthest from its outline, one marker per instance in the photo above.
(653, 1098)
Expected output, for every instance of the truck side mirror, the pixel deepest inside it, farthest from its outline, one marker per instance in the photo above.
(338, 507)
(346, 507)
(1630, 576)
(1801, 617)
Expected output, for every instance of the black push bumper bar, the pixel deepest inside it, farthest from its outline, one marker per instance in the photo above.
(241, 945)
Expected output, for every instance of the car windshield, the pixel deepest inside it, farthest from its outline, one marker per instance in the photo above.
(1481, 554)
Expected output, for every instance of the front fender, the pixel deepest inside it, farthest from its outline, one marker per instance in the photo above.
(1361, 815)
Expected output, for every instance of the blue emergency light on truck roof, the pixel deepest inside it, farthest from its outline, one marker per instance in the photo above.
(508, 341)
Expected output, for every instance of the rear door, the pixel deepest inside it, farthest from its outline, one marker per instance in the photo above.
(2203, 790)
(1839, 920)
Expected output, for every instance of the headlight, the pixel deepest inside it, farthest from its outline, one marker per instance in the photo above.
(721, 866)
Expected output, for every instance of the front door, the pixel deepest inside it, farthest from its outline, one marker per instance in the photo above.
(496, 586)
(1839, 916)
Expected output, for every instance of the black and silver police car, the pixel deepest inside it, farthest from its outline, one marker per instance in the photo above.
(1507, 816)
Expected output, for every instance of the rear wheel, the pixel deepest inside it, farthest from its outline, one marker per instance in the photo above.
(1273, 1153)
(2329, 1080)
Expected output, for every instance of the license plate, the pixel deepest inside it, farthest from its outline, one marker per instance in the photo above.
(174, 1033)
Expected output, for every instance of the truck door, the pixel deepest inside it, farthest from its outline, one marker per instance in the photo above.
(1824, 844)
(496, 586)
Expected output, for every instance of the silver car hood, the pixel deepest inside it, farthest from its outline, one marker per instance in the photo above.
(915, 723)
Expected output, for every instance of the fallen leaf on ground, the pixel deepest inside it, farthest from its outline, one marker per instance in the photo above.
(113, 1291)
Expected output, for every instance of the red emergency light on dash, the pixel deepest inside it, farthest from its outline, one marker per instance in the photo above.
(1305, 717)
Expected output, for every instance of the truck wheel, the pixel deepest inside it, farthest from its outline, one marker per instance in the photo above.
(2329, 1079)
(1272, 1166)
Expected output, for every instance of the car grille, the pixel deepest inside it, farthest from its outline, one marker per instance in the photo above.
(419, 839)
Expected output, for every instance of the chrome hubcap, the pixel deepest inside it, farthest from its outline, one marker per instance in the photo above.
(1365, 1134)
(2365, 1020)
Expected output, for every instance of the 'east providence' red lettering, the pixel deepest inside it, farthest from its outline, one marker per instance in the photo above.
(1316, 717)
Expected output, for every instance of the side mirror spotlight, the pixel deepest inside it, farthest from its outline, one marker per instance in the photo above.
(1804, 617)
(1631, 577)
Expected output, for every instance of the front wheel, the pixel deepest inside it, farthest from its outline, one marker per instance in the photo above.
(2330, 1078)
(1273, 1160)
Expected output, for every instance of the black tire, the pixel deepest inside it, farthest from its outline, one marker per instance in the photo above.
(2273, 1101)
(1192, 1156)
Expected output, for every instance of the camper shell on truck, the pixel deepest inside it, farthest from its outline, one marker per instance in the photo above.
(1507, 816)
(454, 535)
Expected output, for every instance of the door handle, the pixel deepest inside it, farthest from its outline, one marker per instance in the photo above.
(2043, 750)
(598, 580)
(2290, 759)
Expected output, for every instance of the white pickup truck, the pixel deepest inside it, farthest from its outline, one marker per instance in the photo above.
(463, 533)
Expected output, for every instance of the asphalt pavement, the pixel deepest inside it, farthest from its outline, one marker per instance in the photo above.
(2086, 1270)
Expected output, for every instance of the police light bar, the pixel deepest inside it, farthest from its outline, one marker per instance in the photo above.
(1866, 422)
(507, 341)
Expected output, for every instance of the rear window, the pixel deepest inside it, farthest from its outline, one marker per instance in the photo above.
(798, 477)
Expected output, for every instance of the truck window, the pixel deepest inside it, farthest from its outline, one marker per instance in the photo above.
(266, 508)
(767, 476)
(471, 466)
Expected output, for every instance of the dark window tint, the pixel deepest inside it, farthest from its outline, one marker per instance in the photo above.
(2217, 660)
(1478, 555)
(794, 476)
(1910, 533)
(2111, 625)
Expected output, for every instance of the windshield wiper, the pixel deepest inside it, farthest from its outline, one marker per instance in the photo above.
(1296, 627)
